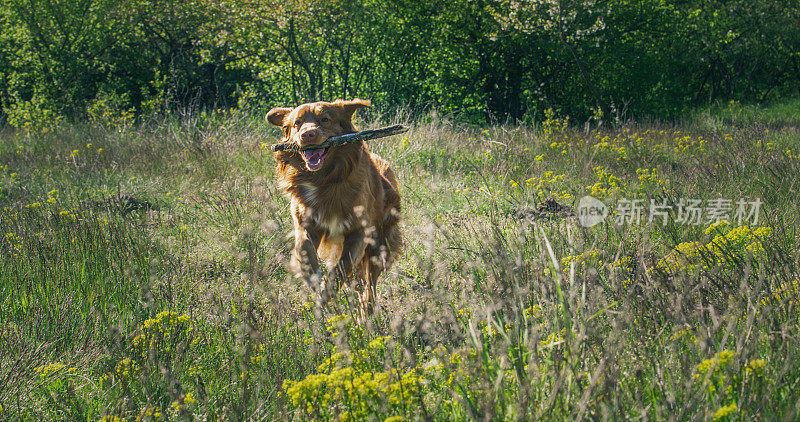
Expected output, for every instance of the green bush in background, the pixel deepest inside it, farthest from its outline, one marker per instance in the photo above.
(481, 60)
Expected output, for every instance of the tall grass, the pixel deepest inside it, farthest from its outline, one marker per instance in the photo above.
(143, 278)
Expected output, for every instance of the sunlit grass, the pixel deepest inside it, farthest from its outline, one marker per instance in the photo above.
(143, 277)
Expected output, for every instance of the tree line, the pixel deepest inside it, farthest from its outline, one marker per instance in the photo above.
(481, 60)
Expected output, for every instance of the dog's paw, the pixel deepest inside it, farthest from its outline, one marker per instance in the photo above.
(315, 280)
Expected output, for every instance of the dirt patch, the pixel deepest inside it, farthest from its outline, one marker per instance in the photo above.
(547, 210)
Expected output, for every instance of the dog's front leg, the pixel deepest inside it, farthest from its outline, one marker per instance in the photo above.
(305, 263)
(352, 252)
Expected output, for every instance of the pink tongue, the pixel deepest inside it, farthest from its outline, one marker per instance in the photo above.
(313, 156)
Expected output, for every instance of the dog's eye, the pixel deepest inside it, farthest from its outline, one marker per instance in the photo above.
(324, 120)
(298, 124)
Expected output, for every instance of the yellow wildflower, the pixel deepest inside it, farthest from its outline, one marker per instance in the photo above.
(714, 364)
(149, 412)
(725, 411)
(719, 226)
(755, 366)
(47, 370)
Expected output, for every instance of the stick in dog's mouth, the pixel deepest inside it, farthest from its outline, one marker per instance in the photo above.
(342, 139)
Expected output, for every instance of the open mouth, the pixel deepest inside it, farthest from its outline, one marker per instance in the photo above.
(314, 157)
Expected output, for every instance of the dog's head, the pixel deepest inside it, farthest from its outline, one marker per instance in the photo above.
(313, 123)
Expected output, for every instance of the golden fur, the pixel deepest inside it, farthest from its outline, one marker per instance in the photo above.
(345, 209)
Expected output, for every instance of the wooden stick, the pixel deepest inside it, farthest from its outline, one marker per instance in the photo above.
(344, 139)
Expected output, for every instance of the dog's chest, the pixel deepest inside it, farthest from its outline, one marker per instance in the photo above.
(326, 211)
(335, 227)
(309, 194)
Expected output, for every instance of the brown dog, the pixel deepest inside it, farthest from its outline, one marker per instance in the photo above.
(344, 200)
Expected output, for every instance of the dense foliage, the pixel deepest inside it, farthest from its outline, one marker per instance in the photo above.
(482, 60)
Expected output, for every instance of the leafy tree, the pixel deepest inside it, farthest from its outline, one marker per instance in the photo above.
(481, 60)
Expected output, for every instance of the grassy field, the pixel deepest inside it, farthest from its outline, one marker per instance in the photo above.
(143, 276)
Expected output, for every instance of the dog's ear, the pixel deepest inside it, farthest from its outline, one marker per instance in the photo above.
(350, 106)
(277, 114)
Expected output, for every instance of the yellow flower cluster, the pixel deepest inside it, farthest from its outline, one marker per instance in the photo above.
(768, 146)
(549, 185)
(610, 146)
(553, 125)
(755, 367)
(712, 372)
(533, 311)
(693, 146)
(45, 371)
(728, 245)
(724, 411)
(682, 258)
(788, 292)
(184, 402)
(15, 241)
(621, 267)
(788, 152)
(739, 238)
(125, 368)
(158, 332)
(591, 257)
(553, 340)
(69, 214)
(149, 413)
(355, 391)
(686, 333)
(718, 227)
(715, 364)
(563, 146)
(342, 322)
(333, 322)
(258, 353)
(354, 384)
(455, 371)
(487, 329)
(52, 196)
(649, 180)
(607, 184)
(378, 343)
(13, 178)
